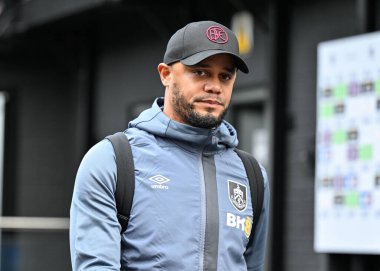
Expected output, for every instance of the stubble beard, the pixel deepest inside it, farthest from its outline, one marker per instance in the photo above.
(190, 116)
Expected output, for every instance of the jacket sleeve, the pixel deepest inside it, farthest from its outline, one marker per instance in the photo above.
(255, 254)
(94, 228)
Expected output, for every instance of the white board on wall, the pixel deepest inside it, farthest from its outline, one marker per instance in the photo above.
(347, 176)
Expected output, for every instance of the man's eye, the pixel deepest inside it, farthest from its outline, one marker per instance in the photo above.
(226, 77)
(200, 73)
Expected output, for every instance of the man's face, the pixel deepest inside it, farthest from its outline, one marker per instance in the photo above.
(199, 95)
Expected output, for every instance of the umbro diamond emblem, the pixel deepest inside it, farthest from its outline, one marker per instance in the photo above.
(160, 180)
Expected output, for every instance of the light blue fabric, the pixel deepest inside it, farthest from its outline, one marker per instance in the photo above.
(166, 227)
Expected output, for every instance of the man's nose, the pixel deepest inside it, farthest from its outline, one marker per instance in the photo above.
(213, 85)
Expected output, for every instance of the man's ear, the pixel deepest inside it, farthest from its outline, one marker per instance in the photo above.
(164, 71)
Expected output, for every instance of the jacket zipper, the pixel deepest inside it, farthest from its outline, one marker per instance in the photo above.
(203, 212)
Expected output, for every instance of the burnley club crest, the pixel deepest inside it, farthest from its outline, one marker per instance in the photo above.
(238, 195)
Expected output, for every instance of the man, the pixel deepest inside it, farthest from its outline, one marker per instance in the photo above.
(182, 216)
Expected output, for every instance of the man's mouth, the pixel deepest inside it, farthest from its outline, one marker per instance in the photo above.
(210, 102)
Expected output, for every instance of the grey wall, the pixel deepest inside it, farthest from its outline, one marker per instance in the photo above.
(127, 75)
(45, 160)
(46, 156)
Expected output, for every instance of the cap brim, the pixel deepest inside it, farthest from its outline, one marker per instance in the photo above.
(198, 57)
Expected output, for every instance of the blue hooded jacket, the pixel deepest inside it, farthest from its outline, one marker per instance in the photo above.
(191, 207)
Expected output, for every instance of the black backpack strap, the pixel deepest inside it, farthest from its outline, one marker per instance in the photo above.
(256, 185)
(125, 182)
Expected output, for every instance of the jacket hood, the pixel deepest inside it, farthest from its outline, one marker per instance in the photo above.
(155, 122)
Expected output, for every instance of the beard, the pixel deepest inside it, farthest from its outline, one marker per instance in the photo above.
(189, 115)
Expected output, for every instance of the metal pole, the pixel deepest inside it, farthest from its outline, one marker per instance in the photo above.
(365, 11)
(279, 65)
(2, 132)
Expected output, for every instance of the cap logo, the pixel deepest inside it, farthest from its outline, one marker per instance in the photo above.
(217, 34)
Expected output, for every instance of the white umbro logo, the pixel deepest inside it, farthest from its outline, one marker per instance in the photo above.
(160, 180)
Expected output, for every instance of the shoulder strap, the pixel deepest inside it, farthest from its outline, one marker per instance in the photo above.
(256, 184)
(125, 183)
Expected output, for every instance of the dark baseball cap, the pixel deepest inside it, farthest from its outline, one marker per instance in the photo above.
(200, 40)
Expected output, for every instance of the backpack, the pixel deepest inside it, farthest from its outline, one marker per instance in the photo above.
(125, 184)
